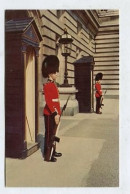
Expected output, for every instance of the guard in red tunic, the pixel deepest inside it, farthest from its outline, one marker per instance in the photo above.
(52, 111)
(98, 93)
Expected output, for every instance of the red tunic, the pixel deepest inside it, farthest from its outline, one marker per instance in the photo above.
(98, 89)
(52, 99)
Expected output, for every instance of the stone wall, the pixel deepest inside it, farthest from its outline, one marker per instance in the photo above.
(53, 23)
(107, 54)
(94, 32)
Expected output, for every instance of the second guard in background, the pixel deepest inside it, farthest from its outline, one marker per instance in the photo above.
(98, 93)
(52, 111)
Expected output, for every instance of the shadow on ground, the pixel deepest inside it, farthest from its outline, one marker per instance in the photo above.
(104, 171)
(41, 140)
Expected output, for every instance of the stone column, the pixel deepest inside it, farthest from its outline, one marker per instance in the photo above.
(24, 58)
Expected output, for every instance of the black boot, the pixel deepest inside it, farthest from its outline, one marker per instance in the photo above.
(53, 159)
(57, 154)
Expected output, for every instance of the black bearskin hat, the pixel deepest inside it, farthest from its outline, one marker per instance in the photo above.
(98, 77)
(50, 65)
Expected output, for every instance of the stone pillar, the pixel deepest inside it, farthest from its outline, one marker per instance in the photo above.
(72, 106)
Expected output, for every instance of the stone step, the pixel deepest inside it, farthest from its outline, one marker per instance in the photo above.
(99, 37)
(106, 63)
(111, 86)
(112, 45)
(31, 148)
(109, 76)
(104, 50)
(110, 81)
(106, 54)
(111, 92)
(109, 28)
(112, 58)
(106, 67)
(103, 41)
(107, 72)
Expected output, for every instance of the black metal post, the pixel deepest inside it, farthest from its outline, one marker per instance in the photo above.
(66, 84)
(66, 73)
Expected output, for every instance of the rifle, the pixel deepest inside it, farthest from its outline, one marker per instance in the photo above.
(56, 129)
(101, 100)
(55, 138)
(64, 107)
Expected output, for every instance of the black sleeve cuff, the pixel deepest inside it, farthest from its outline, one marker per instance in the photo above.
(54, 114)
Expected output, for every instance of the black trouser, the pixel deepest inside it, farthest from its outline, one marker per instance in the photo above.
(98, 104)
(49, 136)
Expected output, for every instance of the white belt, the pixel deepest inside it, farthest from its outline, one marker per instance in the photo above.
(55, 100)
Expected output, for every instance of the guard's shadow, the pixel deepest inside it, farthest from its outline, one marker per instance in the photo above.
(41, 140)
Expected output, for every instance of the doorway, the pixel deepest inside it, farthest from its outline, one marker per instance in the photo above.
(30, 96)
(84, 83)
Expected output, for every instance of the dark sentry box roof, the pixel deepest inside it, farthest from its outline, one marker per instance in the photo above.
(85, 59)
(21, 25)
(18, 25)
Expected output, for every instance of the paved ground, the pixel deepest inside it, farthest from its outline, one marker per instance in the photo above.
(89, 143)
